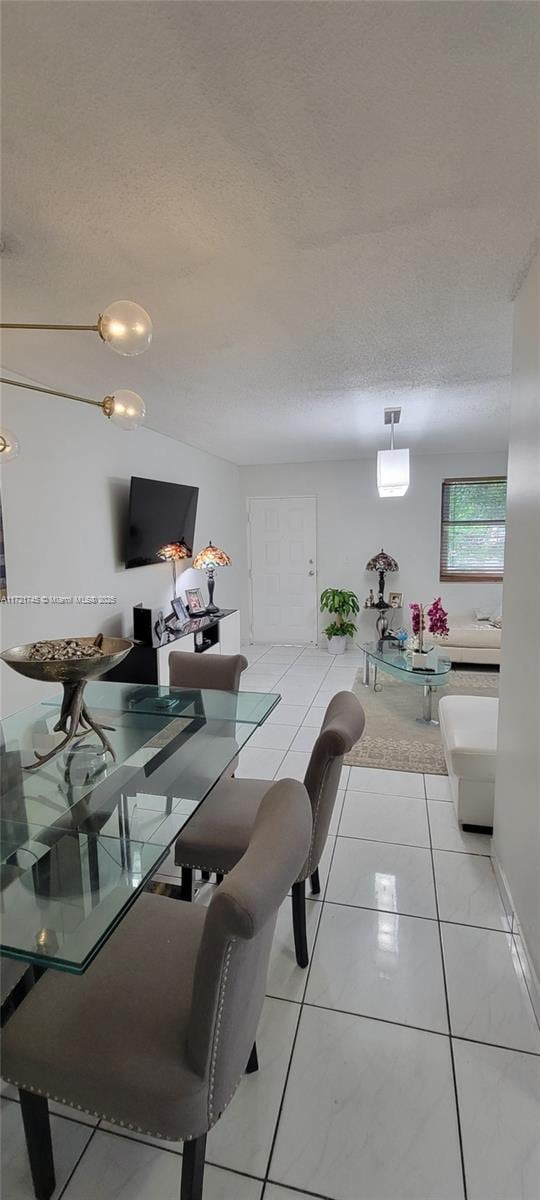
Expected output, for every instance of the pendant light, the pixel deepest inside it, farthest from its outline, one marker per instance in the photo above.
(392, 464)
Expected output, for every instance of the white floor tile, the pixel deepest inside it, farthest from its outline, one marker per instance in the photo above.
(297, 693)
(389, 783)
(288, 714)
(271, 736)
(383, 818)
(382, 876)
(243, 1136)
(336, 815)
(499, 1101)
(345, 777)
(438, 787)
(487, 994)
(314, 716)
(380, 965)
(312, 667)
(259, 682)
(340, 681)
(282, 654)
(68, 1137)
(274, 1192)
(305, 739)
(323, 697)
(324, 867)
(294, 765)
(446, 833)
(258, 764)
(286, 979)
(121, 1169)
(253, 653)
(467, 890)
(369, 1111)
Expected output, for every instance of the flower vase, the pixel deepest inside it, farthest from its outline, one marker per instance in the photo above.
(419, 658)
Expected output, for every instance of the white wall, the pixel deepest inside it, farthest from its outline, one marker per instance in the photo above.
(65, 506)
(353, 523)
(517, 799)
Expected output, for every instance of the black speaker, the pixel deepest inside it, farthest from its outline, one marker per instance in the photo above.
(148, 625)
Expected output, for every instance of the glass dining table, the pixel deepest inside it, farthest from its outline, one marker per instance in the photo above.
(82, 835)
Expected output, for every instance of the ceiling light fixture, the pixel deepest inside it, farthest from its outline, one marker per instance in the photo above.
(125, 408)
(9, 446)
(392, 465)
(124, 326)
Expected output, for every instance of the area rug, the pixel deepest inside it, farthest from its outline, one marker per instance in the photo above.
(393, 739)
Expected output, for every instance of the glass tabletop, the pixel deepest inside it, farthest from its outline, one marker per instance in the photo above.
(166, 764)
(399, 663)
(253, 707)
(61, 898)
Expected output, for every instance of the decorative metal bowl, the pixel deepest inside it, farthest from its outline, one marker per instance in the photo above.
(67, 670)
(75, 720)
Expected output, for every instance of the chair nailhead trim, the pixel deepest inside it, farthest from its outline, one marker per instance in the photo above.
(217, 1031)
(315, 820)
(27, 1087)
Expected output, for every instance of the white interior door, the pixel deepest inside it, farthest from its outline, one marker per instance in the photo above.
(283, 569)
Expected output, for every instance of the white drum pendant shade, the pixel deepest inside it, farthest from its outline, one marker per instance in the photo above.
(392, 472)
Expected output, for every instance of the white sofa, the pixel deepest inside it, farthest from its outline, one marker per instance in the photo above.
(472, 641)
(469, 737)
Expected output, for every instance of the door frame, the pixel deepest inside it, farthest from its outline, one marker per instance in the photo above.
(249, 500)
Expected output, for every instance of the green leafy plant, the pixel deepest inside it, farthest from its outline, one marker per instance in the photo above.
(340, 604)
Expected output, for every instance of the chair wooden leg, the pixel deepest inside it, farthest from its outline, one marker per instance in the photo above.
(37, 1131)
(191, 1187)
(253, 1061)
(186, 886)
(299, 923)
(315, 882)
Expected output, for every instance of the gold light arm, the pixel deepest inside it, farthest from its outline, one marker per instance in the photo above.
(32, 387)
(12, 325)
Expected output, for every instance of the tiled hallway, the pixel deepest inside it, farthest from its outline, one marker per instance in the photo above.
(404, 1064)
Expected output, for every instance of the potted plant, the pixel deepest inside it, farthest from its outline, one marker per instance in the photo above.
(341, 604)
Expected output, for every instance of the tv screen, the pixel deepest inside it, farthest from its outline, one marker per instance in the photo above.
(159, 513)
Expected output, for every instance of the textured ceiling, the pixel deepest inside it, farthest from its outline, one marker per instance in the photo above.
(326, 208)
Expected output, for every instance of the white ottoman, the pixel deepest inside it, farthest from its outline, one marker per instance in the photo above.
(469, 738)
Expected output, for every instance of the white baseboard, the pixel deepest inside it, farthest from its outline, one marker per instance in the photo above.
(531, 978)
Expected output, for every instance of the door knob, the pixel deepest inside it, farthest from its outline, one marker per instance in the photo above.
(311, 572)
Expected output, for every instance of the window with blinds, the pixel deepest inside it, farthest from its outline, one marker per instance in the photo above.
(473, 526)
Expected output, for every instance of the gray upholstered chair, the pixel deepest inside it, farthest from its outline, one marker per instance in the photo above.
(161, 1055)
(220, 830)
(218, 671)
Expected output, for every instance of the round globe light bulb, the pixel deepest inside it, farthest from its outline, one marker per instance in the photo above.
(9, 446)
(126, 327)
(125, 408)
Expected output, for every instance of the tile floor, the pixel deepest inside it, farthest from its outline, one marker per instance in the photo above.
(405, 1063)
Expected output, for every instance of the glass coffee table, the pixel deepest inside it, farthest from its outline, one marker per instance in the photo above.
(387, 657)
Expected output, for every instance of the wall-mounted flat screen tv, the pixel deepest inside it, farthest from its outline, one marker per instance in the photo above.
(159, 514)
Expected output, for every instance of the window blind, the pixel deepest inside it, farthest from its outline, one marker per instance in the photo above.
(473, 524)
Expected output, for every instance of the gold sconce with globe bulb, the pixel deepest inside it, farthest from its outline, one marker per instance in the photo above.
(126, 328)
(123, 325)
(124, 408)
(9, 446)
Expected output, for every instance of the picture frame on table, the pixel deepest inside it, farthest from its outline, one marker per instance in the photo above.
(395, 599)
(180, 611)
(195, 602)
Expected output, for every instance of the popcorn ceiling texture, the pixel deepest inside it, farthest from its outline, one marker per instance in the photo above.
(325, 207)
